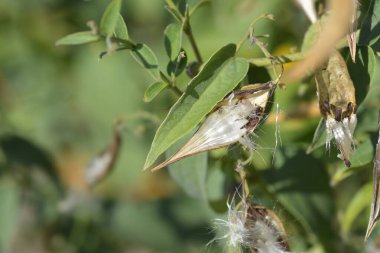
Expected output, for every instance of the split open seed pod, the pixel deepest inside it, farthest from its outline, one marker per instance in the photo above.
(232, 120)
(251, 227)
(336, 93)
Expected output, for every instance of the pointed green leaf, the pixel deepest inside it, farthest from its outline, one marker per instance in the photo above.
(362, 71)
(319, 138)
(110, 18)
(78, 38)
(190, 173)
(153, 90)
(121, 30)
(221, 74)
(370, 28)
(359, 202)
(200, 4)
(173, 40)
(146, 58)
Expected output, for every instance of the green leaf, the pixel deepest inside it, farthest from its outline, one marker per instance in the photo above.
(361, 72)
(200, 4)
(310, 37)
(110, 18)
(319, 138)
(153, 90)
(190, 173)
(359, 202)
(78, 38)
(121, 30)
(301, 185)
(370, 28)
(173, 40)
(221, 74)
(146, 58)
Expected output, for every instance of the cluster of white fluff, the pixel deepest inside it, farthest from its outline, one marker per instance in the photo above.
(241, 231)
(342, 131)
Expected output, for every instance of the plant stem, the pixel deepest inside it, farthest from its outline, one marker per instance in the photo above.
(190, 35)
(286, 58)
(176, 90)
(171, 84)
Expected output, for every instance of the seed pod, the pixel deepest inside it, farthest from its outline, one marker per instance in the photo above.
(251, 227)
(102, 165)
(336, 93)
(232, 120)
(270, 235)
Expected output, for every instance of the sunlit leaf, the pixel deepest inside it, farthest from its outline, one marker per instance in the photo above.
(110, 18)
(153, 90)
(146, 58)
(78, 38)
(121, 30)
(219, 76)
(173, 40)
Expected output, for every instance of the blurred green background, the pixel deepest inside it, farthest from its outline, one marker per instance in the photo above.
(58, 105)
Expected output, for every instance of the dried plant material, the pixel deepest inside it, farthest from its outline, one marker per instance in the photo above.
(102, 165)
(335, 28)
(336, 93)
(351, 36)
(375, 205)
(309, 9)
(231, 121)
(251, 227)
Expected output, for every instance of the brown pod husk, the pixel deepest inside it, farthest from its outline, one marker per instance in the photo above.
(337, 103)
(273, 223)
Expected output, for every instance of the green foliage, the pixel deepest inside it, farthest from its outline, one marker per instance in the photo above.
(57, 106)
(78, 38)
(153, 90)
(147, 59)
(111, 18)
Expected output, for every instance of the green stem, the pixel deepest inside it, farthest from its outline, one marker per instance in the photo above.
(177, 91)
(193, 43)
(170, 84)
(286, 58)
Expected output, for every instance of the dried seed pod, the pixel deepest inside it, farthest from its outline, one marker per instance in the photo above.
(102, 164)
(231, 121)
(336, 93)
(251, 227)
(271, 235)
